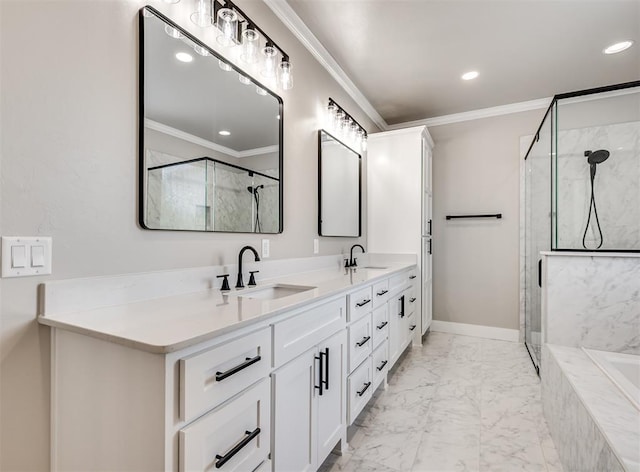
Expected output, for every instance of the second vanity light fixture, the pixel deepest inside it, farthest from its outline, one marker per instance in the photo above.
(236, 30)
(342, 125)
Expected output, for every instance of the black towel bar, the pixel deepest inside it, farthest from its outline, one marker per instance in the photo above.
(455, 217)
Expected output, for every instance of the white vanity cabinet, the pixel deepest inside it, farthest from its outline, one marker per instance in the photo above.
(309, 406)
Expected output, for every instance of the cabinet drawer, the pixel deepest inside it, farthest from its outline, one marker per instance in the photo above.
(411, 301)
(359, 389)
(360, 341)
(380, 359)
(398, 282)
(380, 293)
(211, 377)
(236, 435)
(380, 325)
(264, 467)
(301, 332)
(360, 303)
(411, 327)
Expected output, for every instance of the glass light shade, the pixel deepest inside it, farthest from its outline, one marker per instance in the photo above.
(345, 126)
(331, 115)
(171, 31)
(363, 144)
(244, 79)
(285, 75)
(269, 54)
(337, 122)
(200, 50)
(203, 15)
(250, 46)
(227, 26)
(224, 66)
(354, 131)
(260, 90)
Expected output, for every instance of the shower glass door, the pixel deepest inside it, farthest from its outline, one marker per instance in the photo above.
(537, 230)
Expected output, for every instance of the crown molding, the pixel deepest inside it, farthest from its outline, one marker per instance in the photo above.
(295, 24)
(176, 133)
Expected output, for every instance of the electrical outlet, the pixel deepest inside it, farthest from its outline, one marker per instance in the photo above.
(316, 246)
(265, 248)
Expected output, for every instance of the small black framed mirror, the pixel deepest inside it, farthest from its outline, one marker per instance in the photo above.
(339, 188)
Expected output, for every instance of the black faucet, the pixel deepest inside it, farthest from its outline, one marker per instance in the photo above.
(240, 283)
(352, 262)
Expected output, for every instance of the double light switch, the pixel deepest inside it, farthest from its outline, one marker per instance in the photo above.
(22, 256)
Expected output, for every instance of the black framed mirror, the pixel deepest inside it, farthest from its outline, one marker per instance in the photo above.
(339, 188)
(210, 138)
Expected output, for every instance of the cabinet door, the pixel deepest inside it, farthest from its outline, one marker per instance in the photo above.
(396, 323)
(294, 414)
(331, 401)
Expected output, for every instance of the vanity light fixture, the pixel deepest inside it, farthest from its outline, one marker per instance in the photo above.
(618, 47)
(235, 29)
(184, 57)
(342, 125)
(470, 75)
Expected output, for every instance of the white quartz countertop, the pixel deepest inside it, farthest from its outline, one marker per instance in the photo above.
(168, 324)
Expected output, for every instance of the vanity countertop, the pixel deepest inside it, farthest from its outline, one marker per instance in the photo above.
(168, 324)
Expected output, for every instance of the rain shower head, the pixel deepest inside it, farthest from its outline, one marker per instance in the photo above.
(596, 157)
(255, 189)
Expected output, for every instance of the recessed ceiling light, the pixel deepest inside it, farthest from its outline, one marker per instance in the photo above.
(470, 75)
(184, 57)
(224, 132)
(618, 47)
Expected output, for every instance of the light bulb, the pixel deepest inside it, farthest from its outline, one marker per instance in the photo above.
(227, 26)
(203, 16)
(201, 50)
(244, 79)
(224, 66)
(285, 75)
(250, 46)
(269, 54)
(173, 32)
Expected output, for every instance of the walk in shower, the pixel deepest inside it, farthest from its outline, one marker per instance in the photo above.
(581, 185)
(205, 194)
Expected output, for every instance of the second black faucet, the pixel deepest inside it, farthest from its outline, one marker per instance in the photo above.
(240, 283)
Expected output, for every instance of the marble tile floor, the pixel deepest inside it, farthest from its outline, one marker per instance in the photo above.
(457, 403)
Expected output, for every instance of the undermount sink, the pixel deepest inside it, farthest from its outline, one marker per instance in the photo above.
(273, 292)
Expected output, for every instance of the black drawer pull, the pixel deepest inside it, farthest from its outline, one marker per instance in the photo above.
(366, 386)
(411, 277)
(412, 328)
(234, 370)
(382, 325)
(381, 366)
(222, 460)
(401, 314)
(379, 294)
(363, 302)
(364, 341)
(412, 299)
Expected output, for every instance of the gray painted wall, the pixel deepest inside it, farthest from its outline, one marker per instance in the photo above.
(69, 170)
(476, 169)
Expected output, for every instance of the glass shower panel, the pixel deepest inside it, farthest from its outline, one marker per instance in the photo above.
(265, 204)
(537, 230)
(177, 196)
(232, 199)
(597, 172)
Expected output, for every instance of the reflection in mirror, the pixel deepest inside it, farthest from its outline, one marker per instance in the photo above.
(339, 170)
(210, 145)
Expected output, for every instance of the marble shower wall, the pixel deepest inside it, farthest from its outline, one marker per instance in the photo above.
(617, 187)
(592, 301)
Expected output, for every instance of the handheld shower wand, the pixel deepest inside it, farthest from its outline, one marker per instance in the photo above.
(593, 159)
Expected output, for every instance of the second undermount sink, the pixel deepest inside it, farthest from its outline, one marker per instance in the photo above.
(273, 292)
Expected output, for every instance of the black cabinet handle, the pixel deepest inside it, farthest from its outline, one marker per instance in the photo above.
(381, 366)
(411, 277)
(222, 460)
(326, 369)
(320, 373)
(363, 302)
(540, 273)
(429, 229)
(412, 328)
(412, 299)
(379, 294)
(366, 386)
(401, 314)
(382, 325)
(430, 247)
(234, 370)
(364, 341)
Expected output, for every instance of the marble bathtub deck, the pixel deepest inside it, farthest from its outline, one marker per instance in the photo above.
(456, 404)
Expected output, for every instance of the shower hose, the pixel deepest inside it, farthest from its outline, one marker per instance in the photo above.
(592, 205)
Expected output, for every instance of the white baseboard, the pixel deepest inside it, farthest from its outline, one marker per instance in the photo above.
(478, 331)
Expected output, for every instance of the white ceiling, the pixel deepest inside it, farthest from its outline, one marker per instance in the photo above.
(407, 56)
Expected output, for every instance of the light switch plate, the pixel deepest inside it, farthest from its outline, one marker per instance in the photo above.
(42, 263)
(265, 248)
